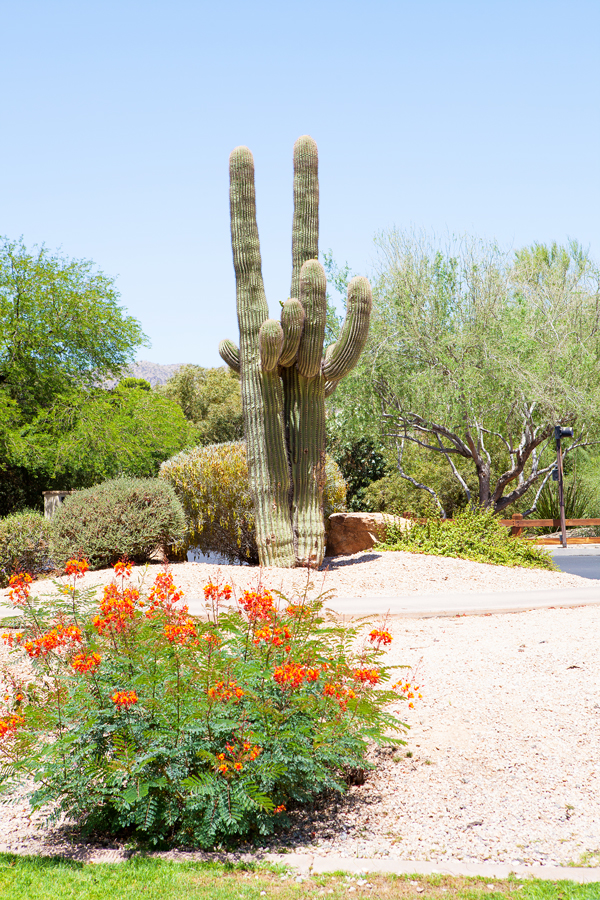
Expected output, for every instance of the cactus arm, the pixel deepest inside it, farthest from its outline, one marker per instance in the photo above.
(330, 387)
(230, 354)
(261, 401)
(305, 225)
(292, 322)
(313, 296)
(270, 339)
(342, 356)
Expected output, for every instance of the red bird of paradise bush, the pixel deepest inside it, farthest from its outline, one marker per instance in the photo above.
(205, 731)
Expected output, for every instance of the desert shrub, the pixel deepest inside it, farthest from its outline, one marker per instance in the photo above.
(578, 497)
(141, 722)
(212, 485)
(473, 534)
(124, 517)
(24, 544)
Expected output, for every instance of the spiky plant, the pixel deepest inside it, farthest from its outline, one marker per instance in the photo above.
(285, 374)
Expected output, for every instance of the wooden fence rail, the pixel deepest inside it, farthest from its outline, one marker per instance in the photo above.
(517, 524)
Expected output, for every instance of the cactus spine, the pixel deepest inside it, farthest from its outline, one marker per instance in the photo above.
(284, 374)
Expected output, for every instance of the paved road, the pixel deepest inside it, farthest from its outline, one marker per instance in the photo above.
(579, 559)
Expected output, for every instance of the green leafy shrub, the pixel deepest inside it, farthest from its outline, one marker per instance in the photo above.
(141, 721)
(212, 485)
(473, 534)
(124, 517)
(24, 544)
(579, 499)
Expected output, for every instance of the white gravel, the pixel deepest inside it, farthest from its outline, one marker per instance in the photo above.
(505, 743)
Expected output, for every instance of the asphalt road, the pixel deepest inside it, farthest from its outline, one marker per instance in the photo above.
(579, 559)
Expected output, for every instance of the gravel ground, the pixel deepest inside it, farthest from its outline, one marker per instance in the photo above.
(505, 743)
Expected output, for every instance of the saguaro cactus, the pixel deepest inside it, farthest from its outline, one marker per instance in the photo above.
(284, 373)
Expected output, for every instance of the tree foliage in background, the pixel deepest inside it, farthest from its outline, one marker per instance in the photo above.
(474, 357)
(61, 326)
(63, 334)
(211, 399)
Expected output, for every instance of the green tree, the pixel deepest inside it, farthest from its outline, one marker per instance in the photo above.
(61, 326)
(211, 399)
(86, 438)
(474, 357)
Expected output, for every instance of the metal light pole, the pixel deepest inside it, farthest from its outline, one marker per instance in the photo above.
(558, 434)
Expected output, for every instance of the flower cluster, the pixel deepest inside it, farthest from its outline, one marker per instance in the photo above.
(76, 567)
(124, 699)
(19, 588)
(11, 639)
(293, 675)
(298, 611)
(182, 631)
(367, 676)
(117, 607)
(340, 693)
(226, 690)
(238, 757)
(214, 593)
(9, 725)
(164, 594)
(275, 636)
(258, 605)
(82, 663)
(57, 638)
(379, 637)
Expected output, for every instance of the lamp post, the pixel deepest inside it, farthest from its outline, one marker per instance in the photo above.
(558, 434)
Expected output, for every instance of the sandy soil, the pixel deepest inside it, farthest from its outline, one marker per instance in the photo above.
(505, 743)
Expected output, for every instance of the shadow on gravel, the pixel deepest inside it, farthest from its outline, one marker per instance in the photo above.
(331, 563)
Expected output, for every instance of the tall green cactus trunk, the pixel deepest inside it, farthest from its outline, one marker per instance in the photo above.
(285, 375)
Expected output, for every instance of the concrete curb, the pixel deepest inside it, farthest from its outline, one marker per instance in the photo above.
(306, 864)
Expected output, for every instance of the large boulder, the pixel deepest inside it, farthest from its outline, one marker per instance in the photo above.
(352, 532)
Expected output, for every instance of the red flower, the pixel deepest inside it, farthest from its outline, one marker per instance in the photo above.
(19, 588)
(258, 605)
(380, 637)
(124, 699)
(370, 676)
(82, 663)
(76, 567)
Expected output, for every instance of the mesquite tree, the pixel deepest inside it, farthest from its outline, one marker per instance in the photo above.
(285, 374)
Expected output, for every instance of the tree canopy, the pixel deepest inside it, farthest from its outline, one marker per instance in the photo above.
(61, 326)
(474, 356)
(211, 399)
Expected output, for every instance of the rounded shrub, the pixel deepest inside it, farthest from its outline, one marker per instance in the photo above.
(124, 517)
(212, 485)
(24, 544)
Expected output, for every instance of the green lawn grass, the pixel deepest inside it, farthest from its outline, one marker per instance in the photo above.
(46, 878)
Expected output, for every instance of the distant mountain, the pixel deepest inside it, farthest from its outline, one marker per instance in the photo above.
(153, 372)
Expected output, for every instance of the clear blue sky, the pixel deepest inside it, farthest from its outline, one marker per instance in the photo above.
(118, 119)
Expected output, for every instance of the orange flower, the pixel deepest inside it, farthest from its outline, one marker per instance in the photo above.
(82, 663)
(258, 605)
(19, 588)
(292, 675)
(122, 568)
(298, 610)
(180, 632)
(238, 766)
(222, 768)
(164, 594)
(124, 699)
(56, 639)
(215, 593)
(117, 608)
(380, 637)
(339, 693)
(9, 638)
(370, 676)
(76, 567)
(279, 809)
(9, 725)
(224, 691)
